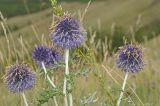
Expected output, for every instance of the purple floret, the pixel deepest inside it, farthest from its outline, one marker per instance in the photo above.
(46, 55)
(19, 78)
(68, 33)
(130, 59)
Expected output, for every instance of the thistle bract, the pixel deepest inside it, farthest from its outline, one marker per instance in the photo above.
(19, 78)
(130, 58)
(68, 33)
(46, 55)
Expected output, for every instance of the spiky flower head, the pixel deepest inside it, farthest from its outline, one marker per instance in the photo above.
(19, 78)
(68, 33)
(43, 54)
(130, 58)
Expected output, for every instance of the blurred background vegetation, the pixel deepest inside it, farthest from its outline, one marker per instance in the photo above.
(17, 7)
(129, 18)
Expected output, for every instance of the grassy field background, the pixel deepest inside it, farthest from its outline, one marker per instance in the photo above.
(101, 15)
(139, 19)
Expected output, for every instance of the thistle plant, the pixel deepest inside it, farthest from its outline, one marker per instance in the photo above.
(130, 59)
(45, 56)
(19, 78)
(68, 34)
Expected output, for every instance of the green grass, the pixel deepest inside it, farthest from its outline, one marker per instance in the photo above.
(17, 7)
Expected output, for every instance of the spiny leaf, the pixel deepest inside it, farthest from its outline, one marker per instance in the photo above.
(48, 94)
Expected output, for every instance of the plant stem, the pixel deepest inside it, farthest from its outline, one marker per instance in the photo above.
(65, 92)
(65, 80)
(50, 81)
(67, 72)
(55, 101)
(48, 78)
(122, 92)
(70, 98)
(24, 98)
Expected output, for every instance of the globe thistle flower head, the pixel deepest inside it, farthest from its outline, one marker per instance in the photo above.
(130, 58)
(54, 59)
(68, 33)
(42, 54)
(19, 78)
(46, 55)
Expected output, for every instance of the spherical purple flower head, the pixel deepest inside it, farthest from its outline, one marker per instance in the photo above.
(68, 33)
(42, 54)
(48, 56)
(130, 58)
(19, 78)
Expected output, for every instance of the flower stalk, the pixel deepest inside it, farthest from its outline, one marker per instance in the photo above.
(50, 81)
(123, 87)
(24, 98)
(48, 78)
(65, 81)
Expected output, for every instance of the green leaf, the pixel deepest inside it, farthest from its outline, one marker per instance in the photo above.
(48, 94)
